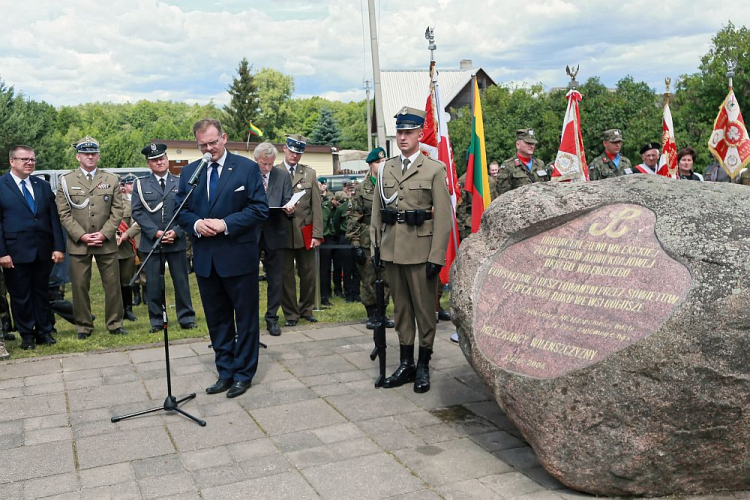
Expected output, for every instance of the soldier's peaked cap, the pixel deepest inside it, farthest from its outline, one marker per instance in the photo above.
(154, 151)
(612, 135)
(296, 143)
(87, 145)
(526, 135)
(409, 118)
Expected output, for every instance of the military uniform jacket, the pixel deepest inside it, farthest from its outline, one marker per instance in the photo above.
(88, 208)
(308, 210)
(126, 251)
(603, 168)
(513, 174)
(422, 187)
(360, 214)
(151, 217)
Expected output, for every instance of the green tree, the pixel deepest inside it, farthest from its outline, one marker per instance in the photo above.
(326, 131)
(275, 91)
(244, 105)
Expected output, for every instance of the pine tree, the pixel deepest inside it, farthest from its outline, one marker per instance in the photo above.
(244, 106)
(326, 131)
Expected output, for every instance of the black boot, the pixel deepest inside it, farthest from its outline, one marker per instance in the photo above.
(422, 379)
(371, 319)
(136, 295)
(127, 301)
(389, 323)
(405, 372)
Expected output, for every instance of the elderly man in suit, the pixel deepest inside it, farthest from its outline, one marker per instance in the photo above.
(153, 203)
(222, 215)
(308, 217)
(272, 235)
(411, 223)
(31, 241)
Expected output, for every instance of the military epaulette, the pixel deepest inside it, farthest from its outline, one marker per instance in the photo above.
(518, 162)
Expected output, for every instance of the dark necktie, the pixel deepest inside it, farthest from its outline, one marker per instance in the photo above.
(213, 181)
(89, 177)
(291, 172)
(406, 166)
(163, 184)
(265, 181)
(27, 195)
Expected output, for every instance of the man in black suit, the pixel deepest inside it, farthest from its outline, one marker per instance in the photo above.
(222, 215)
(272, 236)
(152, 207)
(31, 241)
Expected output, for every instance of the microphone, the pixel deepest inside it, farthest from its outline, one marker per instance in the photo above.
(204, 161)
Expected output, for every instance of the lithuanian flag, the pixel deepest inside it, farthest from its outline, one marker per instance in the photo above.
(477, 182)
(255, 130)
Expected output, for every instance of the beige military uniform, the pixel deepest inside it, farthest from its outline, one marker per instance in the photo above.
(126, 252)
(406, 249)
(307, 211)
(87, 207)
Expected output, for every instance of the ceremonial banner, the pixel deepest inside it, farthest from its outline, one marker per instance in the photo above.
(668, 160)
(729, 142)
(570, 163)
(477, 182)
(255, 130)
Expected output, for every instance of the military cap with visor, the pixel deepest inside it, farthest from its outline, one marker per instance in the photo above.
(154, 151)
(410, 118)
(87, 145)
(376, 154)
(612, 135)
(526, 135)
(296, 143)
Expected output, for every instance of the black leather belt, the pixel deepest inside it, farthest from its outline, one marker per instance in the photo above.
(402, 215)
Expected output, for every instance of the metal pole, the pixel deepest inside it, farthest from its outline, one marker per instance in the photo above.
(376, 74)
(369, 116)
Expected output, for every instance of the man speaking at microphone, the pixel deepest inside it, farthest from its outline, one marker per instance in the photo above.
(221, 215)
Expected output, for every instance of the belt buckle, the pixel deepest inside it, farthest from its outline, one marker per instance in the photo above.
(401, 217)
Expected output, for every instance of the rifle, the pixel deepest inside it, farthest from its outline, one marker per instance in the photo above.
(378, 335)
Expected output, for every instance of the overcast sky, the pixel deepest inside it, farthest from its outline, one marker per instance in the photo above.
(74, 51)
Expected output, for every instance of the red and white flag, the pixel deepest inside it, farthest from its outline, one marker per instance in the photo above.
(436, 144)
(570, 163)
(729, 142)
(668, 160)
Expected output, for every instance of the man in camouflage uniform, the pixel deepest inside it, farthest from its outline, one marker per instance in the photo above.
(325, 253)
(610, 163)
(523, 168)
(344, 259)
(126, 246)
(90, 207)
(358, 234)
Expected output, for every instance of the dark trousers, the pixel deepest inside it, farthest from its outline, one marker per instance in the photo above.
(178, 269)
(273, 264)
(231, 307)
(326, 261)
(28, 285)
(350, 272)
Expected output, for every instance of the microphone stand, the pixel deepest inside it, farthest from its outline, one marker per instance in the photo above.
(170, 403)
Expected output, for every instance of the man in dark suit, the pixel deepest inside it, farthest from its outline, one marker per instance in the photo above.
(31, 241)
(222, 216)
(152, 207)
(272, 235)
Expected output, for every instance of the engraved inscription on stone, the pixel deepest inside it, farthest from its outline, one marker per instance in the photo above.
(569, 297)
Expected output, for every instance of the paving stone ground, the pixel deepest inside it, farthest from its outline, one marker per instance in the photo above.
(311, 426)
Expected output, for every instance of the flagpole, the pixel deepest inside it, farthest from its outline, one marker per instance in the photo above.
(376, 75)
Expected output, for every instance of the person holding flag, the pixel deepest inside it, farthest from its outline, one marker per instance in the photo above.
(523, 168)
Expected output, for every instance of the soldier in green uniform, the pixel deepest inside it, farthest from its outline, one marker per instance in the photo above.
(411, 218)
(523, 168)
(358, 234)
(90, 207)
(610, 163)
(325, 195)
(345, 256)
(308, 217)
(325, 253)
(126, 247)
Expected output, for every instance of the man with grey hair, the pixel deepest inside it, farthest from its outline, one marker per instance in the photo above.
(272, 238)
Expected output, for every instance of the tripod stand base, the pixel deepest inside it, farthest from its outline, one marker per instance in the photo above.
(170, 404)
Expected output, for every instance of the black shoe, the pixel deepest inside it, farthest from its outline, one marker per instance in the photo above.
(188, 326)
(370, 325)
(339, 294)
(46, 340)
(422, 379)
(444, 315)
(136, 296)
(221, 385)
(238, 389)
(273, 328)
(405, 372)
(155, 329)
(311, 318)
(8, 336)
(325, 302)
(262, 277)
(83, 336)
(128, 314)
(389, 323)
(118, 331)
(27, 343)
(290, 322)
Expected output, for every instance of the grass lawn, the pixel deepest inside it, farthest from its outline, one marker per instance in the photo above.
(67, 341)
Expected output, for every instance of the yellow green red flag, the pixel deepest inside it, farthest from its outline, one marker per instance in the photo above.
(255, 130)
(477, 181)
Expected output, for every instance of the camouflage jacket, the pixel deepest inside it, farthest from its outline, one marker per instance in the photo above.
(360, 214)
(514, 174)
(603, 168)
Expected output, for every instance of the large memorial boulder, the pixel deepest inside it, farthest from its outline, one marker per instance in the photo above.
(612, 321)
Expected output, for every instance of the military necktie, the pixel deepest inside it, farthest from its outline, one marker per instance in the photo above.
(163, 184)
(89, 177)
(265, 181)
(291, 172)
(213, 181)
(27, 195)
(405, 167)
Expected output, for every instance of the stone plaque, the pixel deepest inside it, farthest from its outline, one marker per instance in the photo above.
(569, 297)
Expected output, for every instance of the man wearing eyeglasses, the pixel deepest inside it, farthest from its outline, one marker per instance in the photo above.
(222, 215)
(90, 206)
(31, 241)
